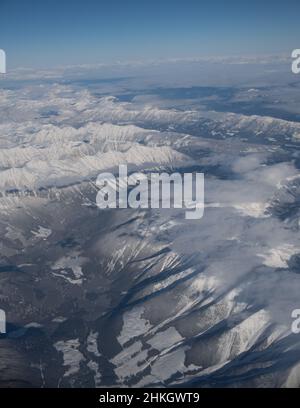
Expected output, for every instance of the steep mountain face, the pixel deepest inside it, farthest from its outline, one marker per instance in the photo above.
(145, 297)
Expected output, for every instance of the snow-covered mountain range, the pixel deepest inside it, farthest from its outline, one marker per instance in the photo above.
(145, 297)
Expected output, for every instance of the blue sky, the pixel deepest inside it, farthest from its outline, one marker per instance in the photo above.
(48, 33)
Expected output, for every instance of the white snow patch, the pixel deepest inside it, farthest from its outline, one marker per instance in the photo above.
(278, 257)
(74, 262)
(133, 325)
(42, 232)
(71, 355)
(165, 339)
